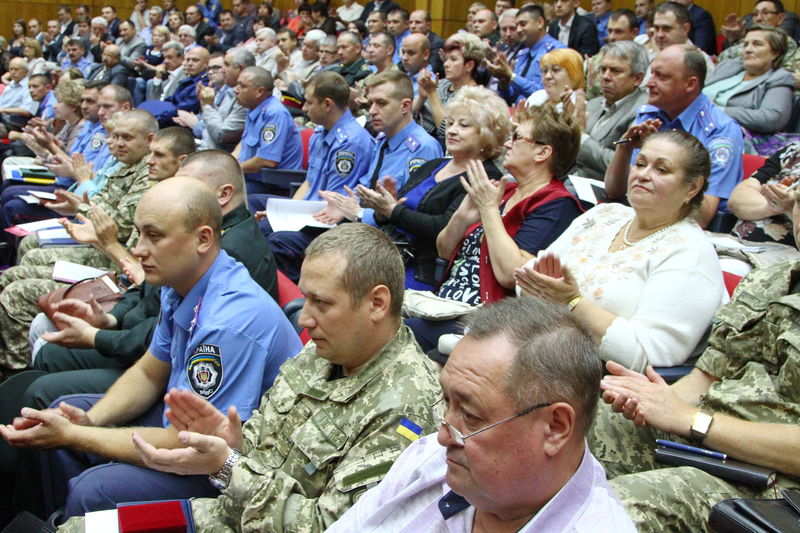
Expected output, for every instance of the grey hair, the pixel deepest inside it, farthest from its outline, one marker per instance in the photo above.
(100, 21)
(189, 29)
(510, 13)
(242, 57)
(315, 36)
(694, 63)
(158, 10)
(173, 45)
(267, 31)
(261, 78)
(632, 52)
(556, 360)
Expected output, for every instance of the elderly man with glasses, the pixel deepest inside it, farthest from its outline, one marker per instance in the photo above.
(520, 391)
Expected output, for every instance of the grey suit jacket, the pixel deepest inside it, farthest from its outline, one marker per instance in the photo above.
(764, 107)
(223, 124)
(597, 144)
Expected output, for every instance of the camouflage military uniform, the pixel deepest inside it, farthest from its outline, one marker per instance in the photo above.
(316, 444)
(118, 198)
(21, 285)
(737, 52)
(754, 350)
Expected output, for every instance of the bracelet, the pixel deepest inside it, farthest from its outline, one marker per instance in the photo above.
(574, 302)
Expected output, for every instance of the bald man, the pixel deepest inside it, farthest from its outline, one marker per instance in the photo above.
(111, 69)
(219, 335)
(415, 56)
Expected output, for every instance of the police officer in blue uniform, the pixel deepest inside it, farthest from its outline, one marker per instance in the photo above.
(526, 77)
(402, 146)
(270, 137)
(675, 99)
(219, 335)
(340, 149)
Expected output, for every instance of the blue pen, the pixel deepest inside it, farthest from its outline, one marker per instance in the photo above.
(691, 449)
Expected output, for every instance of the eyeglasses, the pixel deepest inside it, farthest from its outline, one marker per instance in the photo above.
(460, 437)
(764, 12)
(517, 137)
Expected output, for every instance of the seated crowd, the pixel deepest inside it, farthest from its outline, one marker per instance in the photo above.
(485, 336)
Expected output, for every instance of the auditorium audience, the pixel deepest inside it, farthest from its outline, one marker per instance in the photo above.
(641, 279)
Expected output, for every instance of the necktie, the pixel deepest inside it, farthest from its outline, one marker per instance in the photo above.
(527, 65)
(374, 179)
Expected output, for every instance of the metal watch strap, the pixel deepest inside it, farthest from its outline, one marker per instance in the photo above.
(222, 478)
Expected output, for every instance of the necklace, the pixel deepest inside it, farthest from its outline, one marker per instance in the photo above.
(626, 234)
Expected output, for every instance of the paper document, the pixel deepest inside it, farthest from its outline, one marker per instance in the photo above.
(588, 190)
(72, 272)
(733, 244)
(26, 229)
(294, 215)
(102, 522)
(28, 199)
(53, 233)
(43, 195)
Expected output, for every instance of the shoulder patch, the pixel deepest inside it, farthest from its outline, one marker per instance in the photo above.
(204, 370)
(415, 163)
(721, 151)
(412, 143)
(341, 135)
(269, 133)
(344, 161)
(96, 141)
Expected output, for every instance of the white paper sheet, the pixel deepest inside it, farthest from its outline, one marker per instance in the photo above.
(102, 522)
(293, 215)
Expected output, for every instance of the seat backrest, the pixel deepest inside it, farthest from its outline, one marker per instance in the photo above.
(305, 136)
(289, 296)
(751, 163)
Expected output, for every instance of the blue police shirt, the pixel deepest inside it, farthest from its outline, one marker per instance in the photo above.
(90, 142)
(408, 149)
(47, 109)
(270, 133)
(226, 339)
(524, 86)
(338, 157)
(84, 64)
(719, 133)
(398, 43)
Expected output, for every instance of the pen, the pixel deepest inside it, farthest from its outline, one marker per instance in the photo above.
(691, 449)
(622, 141)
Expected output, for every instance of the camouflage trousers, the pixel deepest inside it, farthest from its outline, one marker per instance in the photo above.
(31, 254)
(20, 286)
(660, 499)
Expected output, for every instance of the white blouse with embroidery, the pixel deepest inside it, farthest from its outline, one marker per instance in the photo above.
(664, 289)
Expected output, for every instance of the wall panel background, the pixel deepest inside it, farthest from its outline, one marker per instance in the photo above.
(448, 15)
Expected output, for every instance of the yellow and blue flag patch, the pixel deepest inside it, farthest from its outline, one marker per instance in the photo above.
(409, 429)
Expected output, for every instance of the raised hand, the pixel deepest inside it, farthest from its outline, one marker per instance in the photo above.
(187, 411)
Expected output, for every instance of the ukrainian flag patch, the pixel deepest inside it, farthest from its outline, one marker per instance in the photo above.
(409, 429)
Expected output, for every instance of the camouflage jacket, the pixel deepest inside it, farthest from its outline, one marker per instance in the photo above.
(121, 195)
(316, 444)
(754, 349)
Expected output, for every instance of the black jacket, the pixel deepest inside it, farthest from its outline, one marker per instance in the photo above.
(431, 216)
(582, 35)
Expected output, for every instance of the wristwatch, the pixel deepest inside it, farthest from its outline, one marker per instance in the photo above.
(221, 479)
(701, 423)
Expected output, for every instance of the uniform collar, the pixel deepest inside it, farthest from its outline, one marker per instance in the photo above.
(688, 115)
(401, 135)
(254, 113)
(345, 119)
(235, 216)
(189, 306)
(316, 385)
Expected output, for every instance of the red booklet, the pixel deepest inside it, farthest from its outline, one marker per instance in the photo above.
(161, 517)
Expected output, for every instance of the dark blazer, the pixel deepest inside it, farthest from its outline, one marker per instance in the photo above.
(117, 74)
(431, 216)
(703, 33)
(113, 28)
(369, 7)
(582, 35)
(228, 40)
